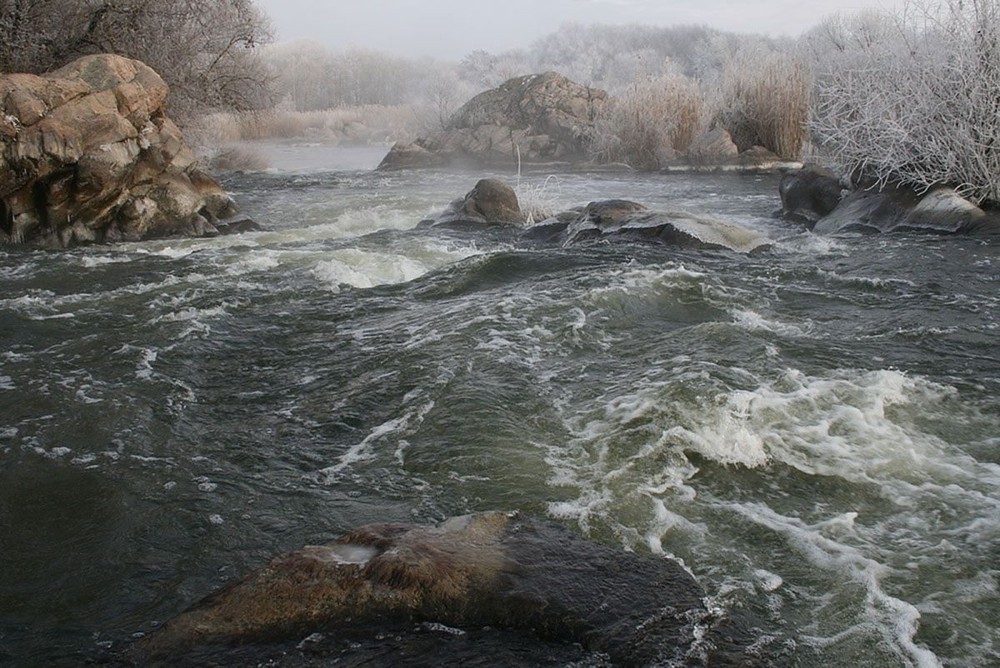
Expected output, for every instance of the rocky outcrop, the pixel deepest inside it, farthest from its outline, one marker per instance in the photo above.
(941, 211)
(539, 118)
(493, 205)
(498, 570)
(87, 154)
(622, 220)
(815, 197)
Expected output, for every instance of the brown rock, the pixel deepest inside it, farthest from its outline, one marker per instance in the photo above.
(494, 201)
(535, 580)
(715, 147)
(87, 154)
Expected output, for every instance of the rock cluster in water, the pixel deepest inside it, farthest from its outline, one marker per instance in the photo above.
(88, 154)
(495, 570)
(494, 203)
(826, 204)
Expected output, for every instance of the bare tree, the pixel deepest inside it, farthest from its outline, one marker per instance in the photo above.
(204, 49)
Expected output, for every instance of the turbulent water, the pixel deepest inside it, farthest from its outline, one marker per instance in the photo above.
(813, 431)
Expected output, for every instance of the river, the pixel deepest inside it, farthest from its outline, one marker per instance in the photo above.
(813, 431)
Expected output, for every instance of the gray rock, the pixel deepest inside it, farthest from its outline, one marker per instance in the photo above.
(622, 220)
(532, 119)
(490, 202)
(809, 194)
(940, 211)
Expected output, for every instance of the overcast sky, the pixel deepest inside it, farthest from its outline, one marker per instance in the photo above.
(448, 29)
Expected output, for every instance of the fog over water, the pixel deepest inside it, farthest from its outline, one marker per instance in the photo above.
(449, 29)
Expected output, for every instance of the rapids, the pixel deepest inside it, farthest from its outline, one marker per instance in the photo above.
(814, 432)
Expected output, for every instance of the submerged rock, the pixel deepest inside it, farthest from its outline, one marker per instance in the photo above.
(498, 570)
(536, 118)
(87, 154)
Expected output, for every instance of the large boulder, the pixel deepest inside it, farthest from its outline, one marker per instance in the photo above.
(88, 154)
(537, 118)
(468, 574)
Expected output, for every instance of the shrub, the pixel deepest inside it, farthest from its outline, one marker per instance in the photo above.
(920, 106)
(765, 102)
(652, 122)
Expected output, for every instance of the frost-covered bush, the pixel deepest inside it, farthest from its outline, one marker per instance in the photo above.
(915, 98)
(765, 101)
(651, 123)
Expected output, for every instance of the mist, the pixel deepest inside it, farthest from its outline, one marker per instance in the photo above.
(449, 29)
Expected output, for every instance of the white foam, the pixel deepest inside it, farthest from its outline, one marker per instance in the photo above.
(895, 620)
(364, 450)
(366, 269)
(753, 321)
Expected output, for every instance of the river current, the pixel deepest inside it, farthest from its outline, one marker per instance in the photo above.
(813, 431)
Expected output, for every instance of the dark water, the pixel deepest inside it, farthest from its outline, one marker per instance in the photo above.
(814, 431)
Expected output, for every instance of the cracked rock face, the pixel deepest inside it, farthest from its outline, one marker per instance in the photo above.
(87, 154)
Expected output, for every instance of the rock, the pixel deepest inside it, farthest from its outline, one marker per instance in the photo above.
(492, 205)
(408, 156)
(87, 154)
(537, 582)
(759, 157)
(809, 194)
(940, 211)
(239, 227)
(494, 201)
(715, 147)
(490, 202)
(532, 119)
(622, 220)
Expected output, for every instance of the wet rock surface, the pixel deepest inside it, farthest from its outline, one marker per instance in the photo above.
(468, 591)
(493, 205)
(816, 198)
